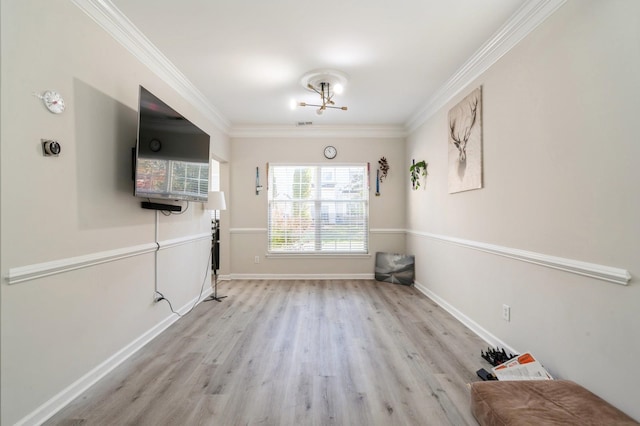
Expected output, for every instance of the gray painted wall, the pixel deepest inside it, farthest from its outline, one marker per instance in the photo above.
(561, 179)
(58, 328)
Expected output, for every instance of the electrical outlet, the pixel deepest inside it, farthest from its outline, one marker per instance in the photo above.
(256, 259)
(506, 312)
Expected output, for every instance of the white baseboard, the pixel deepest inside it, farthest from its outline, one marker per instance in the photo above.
(59, 401)
(465, 320)
(301, 276)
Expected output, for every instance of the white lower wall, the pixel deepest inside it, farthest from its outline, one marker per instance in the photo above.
(559, 179)
(65, 349)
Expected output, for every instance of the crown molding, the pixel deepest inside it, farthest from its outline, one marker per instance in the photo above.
(317, 131)
(115, 23)
(523, 22)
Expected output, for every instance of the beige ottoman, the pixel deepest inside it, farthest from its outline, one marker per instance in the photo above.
(543, 402)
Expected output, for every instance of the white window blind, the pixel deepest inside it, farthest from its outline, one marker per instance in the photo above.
(318, 209)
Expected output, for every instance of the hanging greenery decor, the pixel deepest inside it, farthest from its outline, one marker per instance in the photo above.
(417, 170)
(384, 168)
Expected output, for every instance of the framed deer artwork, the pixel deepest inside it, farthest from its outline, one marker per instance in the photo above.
(465, 143)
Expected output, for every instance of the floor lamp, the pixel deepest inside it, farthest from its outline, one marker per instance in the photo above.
(216, 202)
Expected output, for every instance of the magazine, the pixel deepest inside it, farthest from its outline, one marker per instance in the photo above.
(522, 367)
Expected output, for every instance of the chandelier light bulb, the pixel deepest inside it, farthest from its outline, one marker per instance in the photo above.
(326, 84)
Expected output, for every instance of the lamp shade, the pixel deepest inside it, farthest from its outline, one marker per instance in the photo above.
(216, 201)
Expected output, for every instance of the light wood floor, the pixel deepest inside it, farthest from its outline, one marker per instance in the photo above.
(321, 352)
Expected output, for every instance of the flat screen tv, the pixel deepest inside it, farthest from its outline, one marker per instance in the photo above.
(172, 154)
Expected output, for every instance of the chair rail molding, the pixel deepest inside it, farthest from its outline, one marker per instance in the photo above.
(44, 269)
(183, 240)
(387, 231)
(593, 270)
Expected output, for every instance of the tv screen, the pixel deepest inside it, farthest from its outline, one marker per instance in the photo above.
(172, 154)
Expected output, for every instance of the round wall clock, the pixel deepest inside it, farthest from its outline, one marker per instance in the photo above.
(155, 145)
(330, 152)
(53, 101)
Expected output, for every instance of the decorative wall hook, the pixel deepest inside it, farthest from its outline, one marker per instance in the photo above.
(258, 186)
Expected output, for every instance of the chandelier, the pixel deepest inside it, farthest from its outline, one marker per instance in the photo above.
(325, 83)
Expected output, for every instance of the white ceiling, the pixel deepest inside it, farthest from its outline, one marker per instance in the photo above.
(247, 56)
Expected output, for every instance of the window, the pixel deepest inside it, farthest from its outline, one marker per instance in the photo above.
(318, 209)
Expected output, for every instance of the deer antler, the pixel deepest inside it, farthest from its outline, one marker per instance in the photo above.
(461, 143)
(452, 127)
(474, 107)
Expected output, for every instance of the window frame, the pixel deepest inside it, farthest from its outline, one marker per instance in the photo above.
(318, 202)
